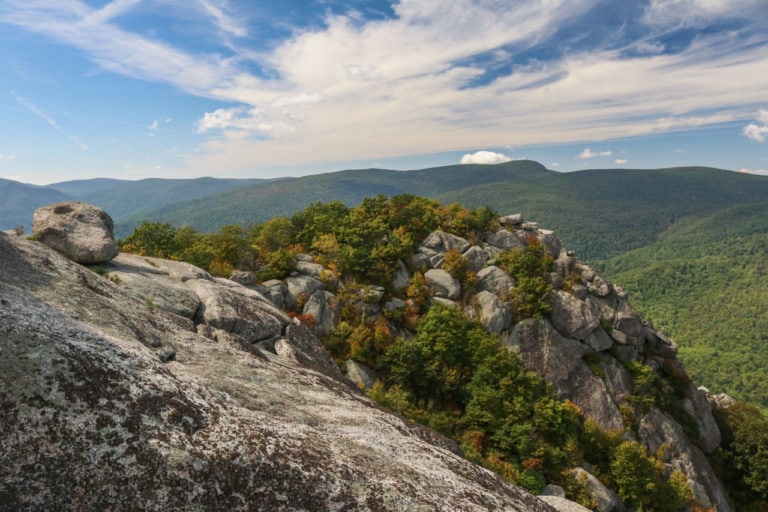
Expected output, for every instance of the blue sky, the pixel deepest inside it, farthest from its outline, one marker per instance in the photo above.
(247, 88)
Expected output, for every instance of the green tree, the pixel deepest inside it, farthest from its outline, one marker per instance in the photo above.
(745, 449)
(438, 363)
(157, 239)
(529, 266)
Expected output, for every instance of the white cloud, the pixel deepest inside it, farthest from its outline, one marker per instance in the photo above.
(762, 172)
(554, 164)
(754, 132)
(356, 89)
(485, 157)
(588, 154)
(6, 158)
(757, 132)
(620, 161)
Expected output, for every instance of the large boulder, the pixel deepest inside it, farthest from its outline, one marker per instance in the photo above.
(442, 242)
(505, 240)
(573, 317)
(300, 288)
(495, 280)
(238, 310)
(443, 284)
(476, 256)
(550, 242)
(82, 232)
(360, 374)
(699, 408)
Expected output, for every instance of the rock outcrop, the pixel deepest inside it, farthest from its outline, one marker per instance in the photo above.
(584, 347)
(80, 231)
(255, 409)
(119, 402)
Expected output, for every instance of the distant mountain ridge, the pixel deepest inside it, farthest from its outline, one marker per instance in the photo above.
(18, 201)
(601, 214)
(262, 202)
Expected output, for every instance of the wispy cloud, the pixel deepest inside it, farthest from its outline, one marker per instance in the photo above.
(620, 161)
(6, 158)
(226, 22)
(694, 12)
(588, 154)
(48, 119)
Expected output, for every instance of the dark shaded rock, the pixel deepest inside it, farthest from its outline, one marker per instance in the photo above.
(243, 277)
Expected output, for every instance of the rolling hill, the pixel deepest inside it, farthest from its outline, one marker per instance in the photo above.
(689, 244)
(261, 202)
(18, 201)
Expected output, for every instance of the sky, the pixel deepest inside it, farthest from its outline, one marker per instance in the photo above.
(267, 88)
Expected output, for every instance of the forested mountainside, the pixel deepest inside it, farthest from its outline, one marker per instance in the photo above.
(704, 283)
(600, 214)
(18, 201)
(486, 330)
(283, 198)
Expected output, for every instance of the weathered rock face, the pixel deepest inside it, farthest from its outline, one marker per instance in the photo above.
(325, 310)
(657, 429)
(494, 314)
(96, 416)
(81, 232)
(604, 499)
(559, 361)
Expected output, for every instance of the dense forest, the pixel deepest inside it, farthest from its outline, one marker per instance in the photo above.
(703, 283)
(441, 368)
